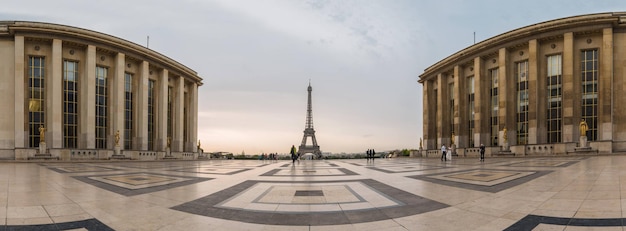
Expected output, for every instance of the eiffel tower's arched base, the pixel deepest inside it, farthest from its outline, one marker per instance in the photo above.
(310, 149)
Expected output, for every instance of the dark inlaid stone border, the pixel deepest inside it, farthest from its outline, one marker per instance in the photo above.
(329, 165)
(274, 171)
(493, 188)
(410, 205)
(90, 224)
(426, 168)
(98, 169)
(133, 192)
(309, 193)
(194, 170)
(531, 221)
(562, 165)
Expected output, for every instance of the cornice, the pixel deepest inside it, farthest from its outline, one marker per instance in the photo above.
(133, 49)
(508, 39)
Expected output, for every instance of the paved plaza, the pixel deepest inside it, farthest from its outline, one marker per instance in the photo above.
(543, 193)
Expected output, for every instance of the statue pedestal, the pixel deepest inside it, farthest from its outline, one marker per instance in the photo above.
(168, 154)
(117, 154)
(505, 151)
(453, 150)
(201, 154)
(43, 153)
(583, 142)
(583, 147)
(42, 148)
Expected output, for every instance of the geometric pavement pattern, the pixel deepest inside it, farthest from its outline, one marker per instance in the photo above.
(486, 180)
(546, 193)
(319, 203)
(130, 184)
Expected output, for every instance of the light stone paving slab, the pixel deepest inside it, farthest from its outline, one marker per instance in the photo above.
(572, 193)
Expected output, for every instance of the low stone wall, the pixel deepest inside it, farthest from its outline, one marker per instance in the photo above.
(147, 156)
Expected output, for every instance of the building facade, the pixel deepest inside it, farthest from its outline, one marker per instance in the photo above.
(532, 87)
(82, 87)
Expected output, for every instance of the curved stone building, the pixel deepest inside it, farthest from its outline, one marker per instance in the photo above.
(80, 87)
(526, 91)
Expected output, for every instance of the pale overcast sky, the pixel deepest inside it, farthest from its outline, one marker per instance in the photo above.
(256, 57)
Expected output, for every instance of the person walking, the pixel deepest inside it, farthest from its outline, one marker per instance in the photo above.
(482, 152)
(294, 154)
(443, 152)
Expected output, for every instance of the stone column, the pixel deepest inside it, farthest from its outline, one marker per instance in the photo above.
(88, 101)
(605, 86)
(54, 98)
(117, 95)
(570, 124)
(193, 116)
(141, 138)
(532, 91)
(442, 134)
(506, 98)
(427, 126)
(8, 89)
(482, 114)
(460, 106)
(542, 96)
(161, 127)
(177, 140)
(21, 136)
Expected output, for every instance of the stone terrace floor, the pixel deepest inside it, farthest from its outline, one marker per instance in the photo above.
(547, 193)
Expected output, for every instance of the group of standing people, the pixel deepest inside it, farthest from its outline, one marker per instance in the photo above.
(446, 153)
(271, 156)
(370, 154)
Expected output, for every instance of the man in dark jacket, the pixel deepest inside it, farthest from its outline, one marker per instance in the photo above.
(294, 154)
(482, 152)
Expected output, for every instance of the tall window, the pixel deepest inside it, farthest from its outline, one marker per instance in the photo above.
(36, 99)
(70, 104)
(493, 73)
(470, 100)
(170, 128)
(521, 77)
(151, 115)
(554, 95)
(451, 105)
(589, 77)
(128, 111)
(101, 107)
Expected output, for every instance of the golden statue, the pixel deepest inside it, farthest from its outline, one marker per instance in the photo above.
(583, 127)
(504, 135)
(42, 134)
(452, 139)
(117, 138)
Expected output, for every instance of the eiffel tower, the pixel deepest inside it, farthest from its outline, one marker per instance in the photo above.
(309, 132)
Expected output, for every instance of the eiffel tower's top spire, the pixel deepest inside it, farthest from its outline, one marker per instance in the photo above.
(309, 111)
